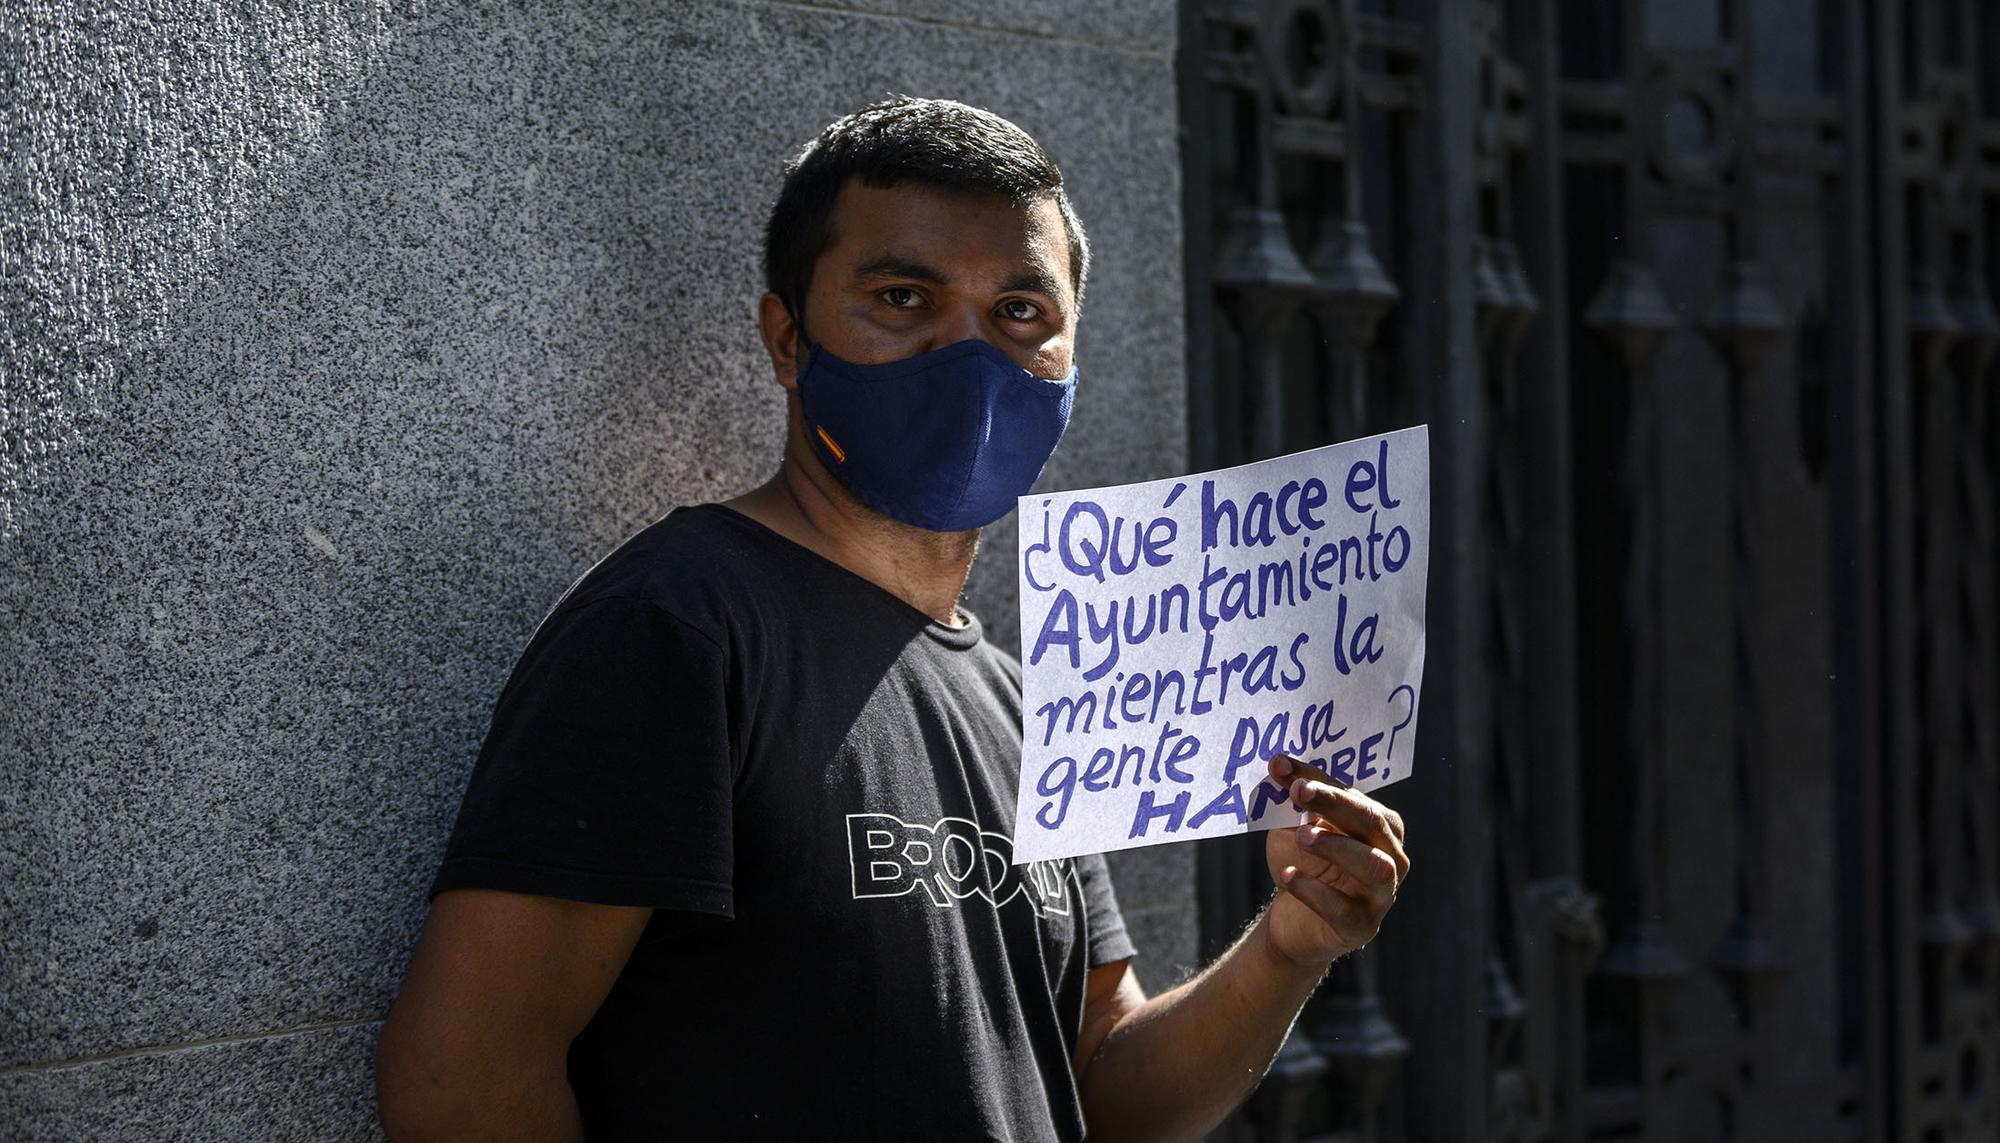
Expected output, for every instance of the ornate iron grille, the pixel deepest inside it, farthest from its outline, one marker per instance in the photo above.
(1696, 296)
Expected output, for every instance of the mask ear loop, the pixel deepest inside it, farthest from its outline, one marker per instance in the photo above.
(812, 351)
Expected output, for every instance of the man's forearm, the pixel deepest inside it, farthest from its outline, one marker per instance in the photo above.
(1178, 1064)
(425, 1100)
(549, 1113)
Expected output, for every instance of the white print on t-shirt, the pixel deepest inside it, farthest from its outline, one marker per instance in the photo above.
(952, 860)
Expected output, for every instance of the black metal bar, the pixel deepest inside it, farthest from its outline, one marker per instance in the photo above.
(1861, 812)
(1900, 1044)
(1439, 939)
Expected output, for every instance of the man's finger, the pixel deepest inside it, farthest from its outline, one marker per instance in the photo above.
(1336, 909)
(1286, 769)
(1371, 870)
(1356, 815)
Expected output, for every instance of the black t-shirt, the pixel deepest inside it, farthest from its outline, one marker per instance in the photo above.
(813, 783)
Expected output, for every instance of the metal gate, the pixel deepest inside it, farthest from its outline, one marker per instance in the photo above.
(1695, 296)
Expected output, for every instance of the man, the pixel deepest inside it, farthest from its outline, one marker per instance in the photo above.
(733, 862)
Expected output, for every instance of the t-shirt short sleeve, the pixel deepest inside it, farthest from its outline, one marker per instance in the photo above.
(1104, 924)
(607, 774)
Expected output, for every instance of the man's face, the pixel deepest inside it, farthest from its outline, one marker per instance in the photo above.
(912, 268)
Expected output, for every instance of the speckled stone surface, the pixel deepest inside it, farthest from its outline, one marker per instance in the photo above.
(1142, 24)
(1153, 876)
(337, 342)
(294, 1087)
(1170, 942)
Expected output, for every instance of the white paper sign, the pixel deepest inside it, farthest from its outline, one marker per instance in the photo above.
(1176, 634)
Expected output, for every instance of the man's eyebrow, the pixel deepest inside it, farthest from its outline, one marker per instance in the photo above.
(896, 266)
(902, 266)
(1034, 279)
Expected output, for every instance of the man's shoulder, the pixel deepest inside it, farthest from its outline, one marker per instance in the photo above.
(700, 563)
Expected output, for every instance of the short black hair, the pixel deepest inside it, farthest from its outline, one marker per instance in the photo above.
(938, 142)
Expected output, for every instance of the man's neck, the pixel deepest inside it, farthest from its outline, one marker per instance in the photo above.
(808, 506)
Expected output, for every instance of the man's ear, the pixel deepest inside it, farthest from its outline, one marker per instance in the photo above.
(781, 339)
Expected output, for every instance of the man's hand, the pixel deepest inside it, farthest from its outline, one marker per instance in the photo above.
(1171, 1067)
(1338, 874)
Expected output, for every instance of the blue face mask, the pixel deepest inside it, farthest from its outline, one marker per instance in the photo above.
(945, 440)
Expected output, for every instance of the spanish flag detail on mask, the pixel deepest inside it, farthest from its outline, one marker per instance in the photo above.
(833, 446)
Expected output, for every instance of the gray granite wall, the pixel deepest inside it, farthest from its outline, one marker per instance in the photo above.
(338, 339)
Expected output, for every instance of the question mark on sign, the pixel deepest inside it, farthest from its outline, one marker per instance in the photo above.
(1407, 719)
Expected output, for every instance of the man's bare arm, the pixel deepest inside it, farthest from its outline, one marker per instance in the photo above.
(476, 1045)
(1173, 1066)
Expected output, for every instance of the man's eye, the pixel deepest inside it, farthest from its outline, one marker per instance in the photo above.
(901, 297)
(1019, 310)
